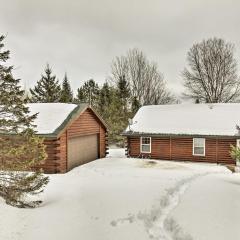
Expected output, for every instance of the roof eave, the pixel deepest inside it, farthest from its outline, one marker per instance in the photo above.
(75, 113)
(139, 134)
(70, 119)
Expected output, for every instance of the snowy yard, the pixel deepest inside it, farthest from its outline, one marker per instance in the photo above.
(118, 198)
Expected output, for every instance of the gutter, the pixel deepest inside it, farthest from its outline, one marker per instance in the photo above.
(139, 134)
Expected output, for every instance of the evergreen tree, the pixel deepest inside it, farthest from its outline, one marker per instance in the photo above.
(115, 119)
(135, 105)
(20, 149)
(88, 93)
(66, 93)
(123, 93)
(104, 100)
(114, 107)
(47, 88)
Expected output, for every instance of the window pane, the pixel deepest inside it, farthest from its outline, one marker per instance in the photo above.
(238, 143)
(199, 142)
(146, 140)
(199, 150)
(145, 148)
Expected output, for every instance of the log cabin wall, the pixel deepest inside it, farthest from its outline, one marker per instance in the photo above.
(217, 150)
(102, 142)
(56, 148)
(87, 123)
(133, 145)
(52, 162)
(223, 150)
(62, 167)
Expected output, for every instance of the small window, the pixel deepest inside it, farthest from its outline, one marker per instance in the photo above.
(238, 143)
(199, 146)
(145, 144)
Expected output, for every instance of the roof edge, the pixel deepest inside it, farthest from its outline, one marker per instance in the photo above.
(99, 117)
(76, 112)
(139, 134)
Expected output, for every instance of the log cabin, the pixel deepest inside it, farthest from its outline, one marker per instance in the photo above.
(185, 132)
(73, 134)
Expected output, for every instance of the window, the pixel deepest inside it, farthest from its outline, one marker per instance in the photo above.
(199, 146)
(238, 143)
(145, 144)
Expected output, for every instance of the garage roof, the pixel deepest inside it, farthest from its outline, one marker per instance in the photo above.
(52, 118)
(187, 119)
(50, 115)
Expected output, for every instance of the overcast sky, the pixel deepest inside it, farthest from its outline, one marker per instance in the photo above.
(81, 37)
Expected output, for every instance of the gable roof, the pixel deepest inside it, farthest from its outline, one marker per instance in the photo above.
(187, 119)
(54, 118)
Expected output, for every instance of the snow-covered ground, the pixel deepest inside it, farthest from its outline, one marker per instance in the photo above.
(119, 198)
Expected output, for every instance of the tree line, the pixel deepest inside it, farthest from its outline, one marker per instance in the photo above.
(134, 82)
(210, 77)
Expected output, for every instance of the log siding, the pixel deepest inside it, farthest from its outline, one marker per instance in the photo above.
(87, 123)
(217, 150)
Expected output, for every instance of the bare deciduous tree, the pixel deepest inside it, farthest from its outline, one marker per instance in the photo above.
(212, 74)
(145, 81)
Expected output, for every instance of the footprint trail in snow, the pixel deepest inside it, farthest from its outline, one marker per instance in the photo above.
(156, 221)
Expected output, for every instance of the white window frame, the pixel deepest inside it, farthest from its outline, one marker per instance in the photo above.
(238, 143)
(238, 146)
(150, 144)
(204, 147)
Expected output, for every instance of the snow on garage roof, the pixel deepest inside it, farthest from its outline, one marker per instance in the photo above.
(218, 119)
(50, 115)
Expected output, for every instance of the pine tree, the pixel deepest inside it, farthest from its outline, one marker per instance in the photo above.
(47, 88)
(104, 100)
(121, 100)
(66, 93)
(88, 93)
(20, 149)
(114, 119)
(123, 91)
(135, 105)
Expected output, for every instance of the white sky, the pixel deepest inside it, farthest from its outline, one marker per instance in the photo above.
(82, 37)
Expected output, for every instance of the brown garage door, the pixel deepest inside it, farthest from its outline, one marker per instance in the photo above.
(82, 150)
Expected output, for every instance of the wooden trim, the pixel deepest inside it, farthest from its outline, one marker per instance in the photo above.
(67, 150)
(216, 150)
(170, 151)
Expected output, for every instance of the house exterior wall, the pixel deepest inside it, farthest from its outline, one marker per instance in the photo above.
(52, 163)
(181, 149)
(87, 123)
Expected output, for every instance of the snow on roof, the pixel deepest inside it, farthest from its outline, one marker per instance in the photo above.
(190, 119)
(50, 115)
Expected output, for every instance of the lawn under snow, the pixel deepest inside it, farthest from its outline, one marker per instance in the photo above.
(117, 198)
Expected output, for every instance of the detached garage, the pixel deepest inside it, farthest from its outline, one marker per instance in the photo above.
(74, 134)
